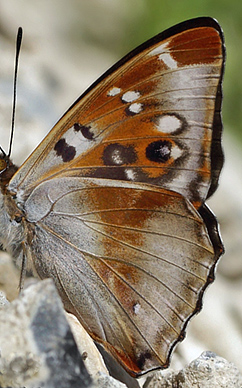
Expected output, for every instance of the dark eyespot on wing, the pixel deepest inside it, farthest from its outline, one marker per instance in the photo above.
(159, 151)
(85, 130)
(118, 155)
(64, 150)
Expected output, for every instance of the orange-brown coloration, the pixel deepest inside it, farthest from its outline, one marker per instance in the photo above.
(121, 176)
(202, 45)
(130, 363)
(139, 145)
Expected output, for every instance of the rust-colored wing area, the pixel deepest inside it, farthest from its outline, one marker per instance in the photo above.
(130, 261)
(113, 199)
(154, 117)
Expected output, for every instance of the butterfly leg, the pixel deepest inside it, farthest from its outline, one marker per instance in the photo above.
(23, 267)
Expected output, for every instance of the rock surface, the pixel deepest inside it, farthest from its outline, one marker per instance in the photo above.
(207, 371)
(43, 346)
(91, 356)
(37, 346)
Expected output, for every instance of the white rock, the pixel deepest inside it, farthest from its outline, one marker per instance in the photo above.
(3, 300)
(207, 371)
(91, 356)
(37, 347)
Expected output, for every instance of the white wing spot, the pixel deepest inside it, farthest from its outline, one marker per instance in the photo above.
(176, 152)
(130, 96)
(165, 55)
(114, 91)
(160, 49)
(130, 174)
(168, 124)
(136, 107)
(136, 308)
(73, 137)
(168, 60)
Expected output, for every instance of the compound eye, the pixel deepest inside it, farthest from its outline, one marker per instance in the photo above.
(3, 165)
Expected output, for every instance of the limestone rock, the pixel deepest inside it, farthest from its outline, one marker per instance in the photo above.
(208, 370)
(37, 347)
(9, 277)
(91, 356)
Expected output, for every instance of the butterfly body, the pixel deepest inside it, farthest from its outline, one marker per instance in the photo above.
(111, 204)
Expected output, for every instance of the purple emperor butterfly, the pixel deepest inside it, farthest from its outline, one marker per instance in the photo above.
(111, 204)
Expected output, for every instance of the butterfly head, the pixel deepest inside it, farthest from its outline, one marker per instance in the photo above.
(3, 162)
(7, 170)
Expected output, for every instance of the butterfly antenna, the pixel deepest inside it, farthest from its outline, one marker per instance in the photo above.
(3, 152)
(18, 45)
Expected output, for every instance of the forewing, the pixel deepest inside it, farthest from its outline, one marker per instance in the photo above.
(129, 260)
(154, 117)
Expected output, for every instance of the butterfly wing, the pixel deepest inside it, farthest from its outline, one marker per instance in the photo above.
(154, 117)
(110, 194)
(129, 260)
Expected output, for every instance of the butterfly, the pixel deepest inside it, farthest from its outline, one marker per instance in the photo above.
(111, 204)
